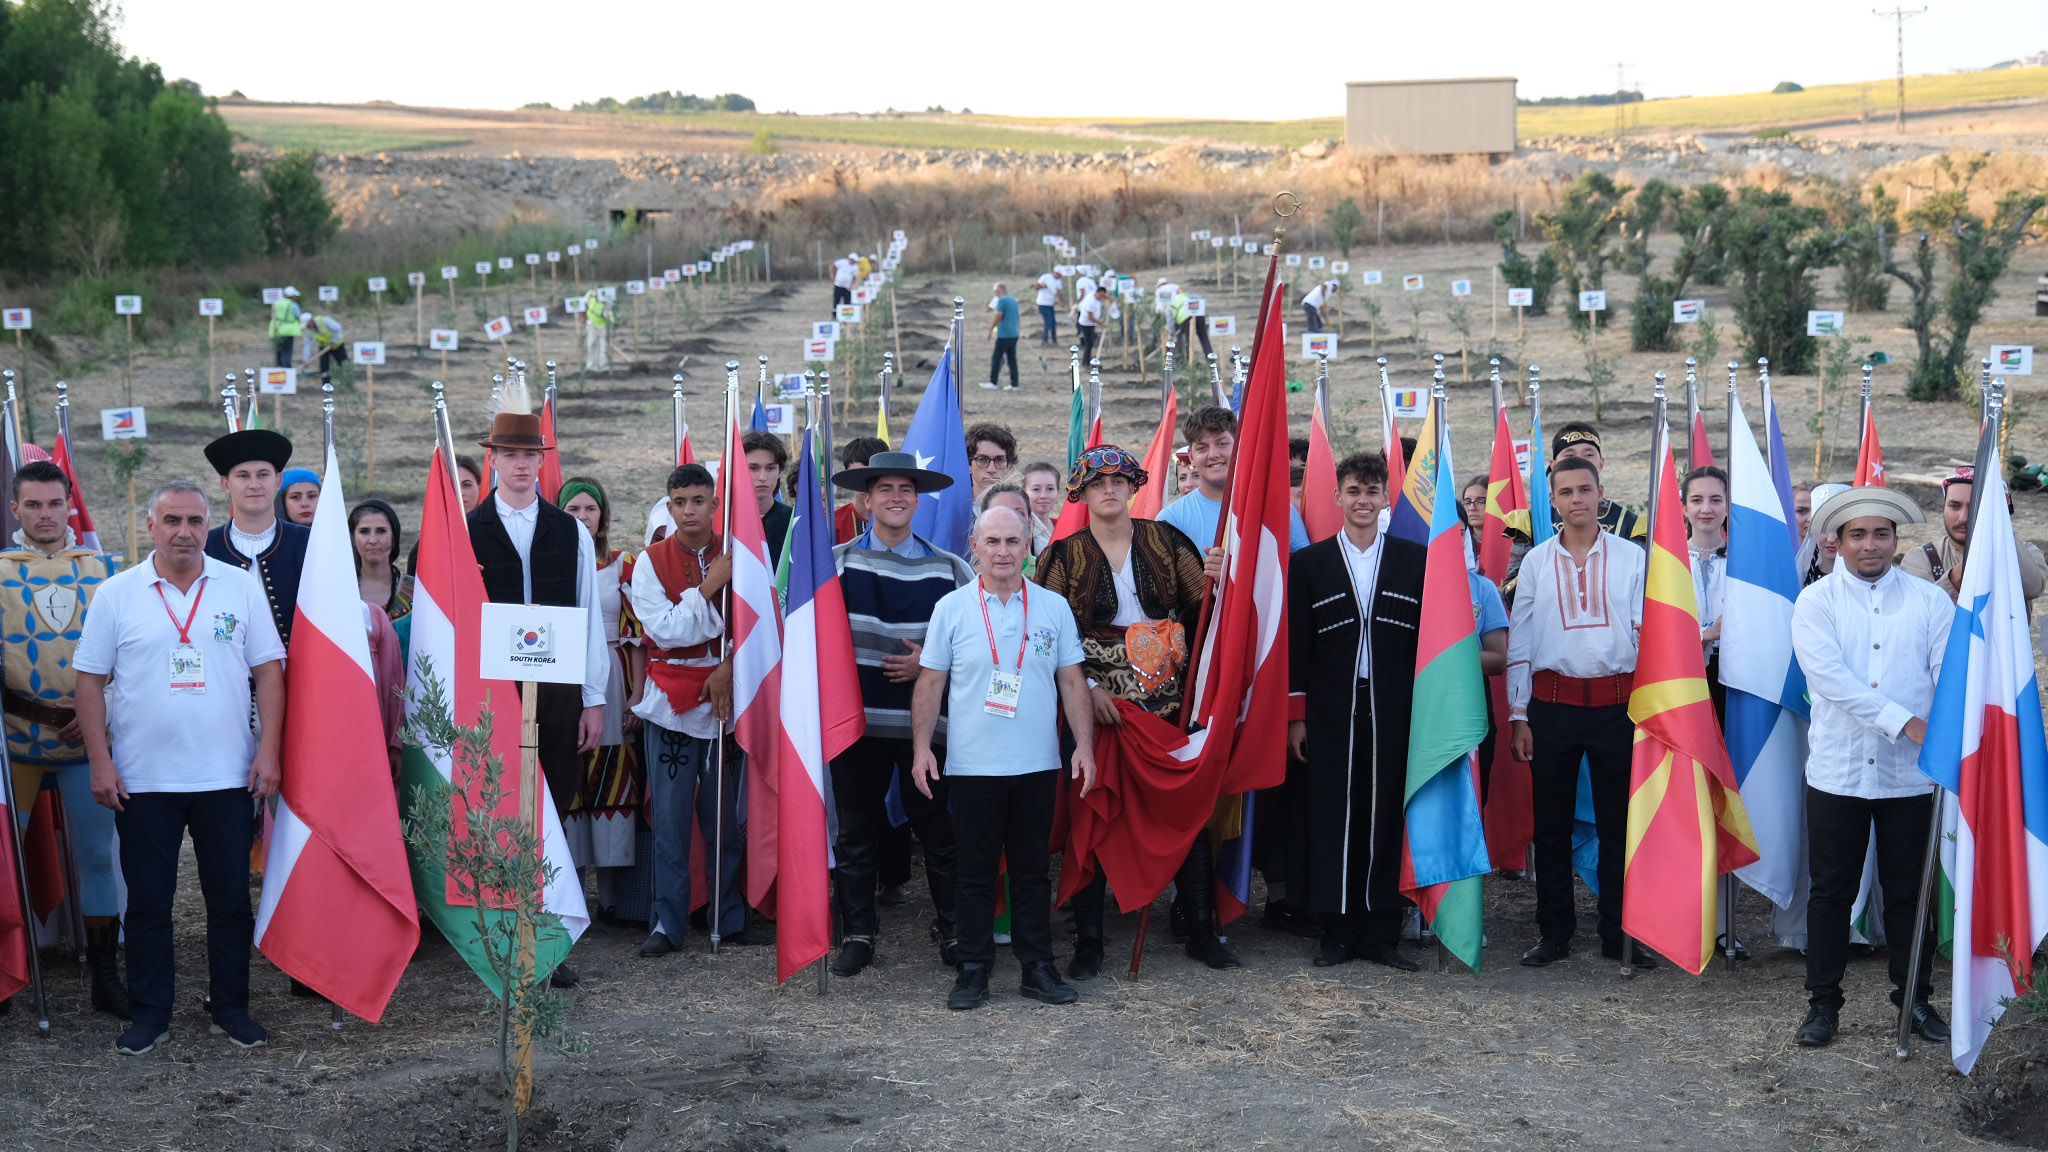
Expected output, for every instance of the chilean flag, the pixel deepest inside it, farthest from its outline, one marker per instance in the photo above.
(1985, 747)
(337, 911)
(822, 715)
(82, 528)
(756, 677)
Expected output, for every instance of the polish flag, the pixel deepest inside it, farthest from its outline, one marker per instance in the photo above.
(337, 911)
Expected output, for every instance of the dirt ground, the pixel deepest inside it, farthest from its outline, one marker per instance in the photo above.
(704, 1052)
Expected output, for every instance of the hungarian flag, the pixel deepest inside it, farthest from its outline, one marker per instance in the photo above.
(337, 911)
(447, 638)
(81, 520)
(1074, 513)
(1443, 855)
(1159, 466)
(756, 679)
(1319, 512)
(550, 462)
(821, 716)
(1686, 822)
(1986, 749)
(1869, 453)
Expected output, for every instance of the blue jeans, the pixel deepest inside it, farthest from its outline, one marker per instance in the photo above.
(1315, 317)
(682, 789)
(92, 828)
(1050, 318)
(152, 827)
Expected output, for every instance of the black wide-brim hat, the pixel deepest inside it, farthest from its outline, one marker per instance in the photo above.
(882, 464)
(249, 444)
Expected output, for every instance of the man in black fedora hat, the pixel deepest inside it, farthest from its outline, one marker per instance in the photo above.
(892, 578)
(532, 552)
(254, 538)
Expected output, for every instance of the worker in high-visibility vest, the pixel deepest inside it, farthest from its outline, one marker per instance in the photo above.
(597, 323)
(285, 319)
(323, 342)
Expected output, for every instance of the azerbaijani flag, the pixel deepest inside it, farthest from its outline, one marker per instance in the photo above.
(447, 637)
(1443, 855)
(1415, 505)
(1985, 747)
(337, 911)
(1686, 823)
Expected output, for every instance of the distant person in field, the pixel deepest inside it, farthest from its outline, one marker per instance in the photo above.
(286, 321)
(324, 345)
(1318, 298)
(597, 330)
(1048, 307)
(1003, 329)
(844, 272)
(1088, 318)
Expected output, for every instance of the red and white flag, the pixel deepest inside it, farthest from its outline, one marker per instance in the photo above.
(1073, 514)
(1319, 512)
(1150, 500)
(337, 911)
(756, 628)
(550, 462)
(1869, 454)
(82, 529)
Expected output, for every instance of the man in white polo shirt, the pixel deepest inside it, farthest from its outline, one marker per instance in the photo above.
(994, 650)
(170, 655)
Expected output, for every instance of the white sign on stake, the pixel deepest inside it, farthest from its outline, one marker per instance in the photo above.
(575, 249)
(554, 256)
(277, 381)
(328, 293)
(818, 351)
(1222, 325)
(863, 294)
(1216, 242)
(124, 423)
(607, 293)
(849, 314)
(1687, 311)
(532, 259)
(572, 305)
(483, 267)
(703, 266)
(2012, 359)
(824, 329)
(1294, 259)
(1197, 306)
(210, 306)
(20, 319)
(416, 279)
(1593, 300)
(1237, 241)
(1521, 297)
(672, 275)
(1316, 344)
(369, 352)
(127, 305)
(1252, 246)
(789, 384)
(538, 314)
(1340, 267)
(1461, 287)
(658, 284)
(1316, 261)
(636, 287)
(379, 284)
(272, 295)
(1823, 323)
(1371, 276)
(1411, 282)
(531, 642)
(900, 236)
(505, 263)
(444, 339)
(1410, 403)
(497, 328)
(781, 418)
(450, 272)
(590, 243)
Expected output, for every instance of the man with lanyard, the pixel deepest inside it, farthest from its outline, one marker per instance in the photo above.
(250, 463)
(1571, 666)
(53, 583)
(1870, 640)
(1354, 613)
(176, 656)
(1941, 563)
(892, 580)
(1003, 751)
(532, 552)
(687, 705)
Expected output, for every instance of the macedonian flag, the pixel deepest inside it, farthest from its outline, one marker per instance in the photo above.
(1686, 823)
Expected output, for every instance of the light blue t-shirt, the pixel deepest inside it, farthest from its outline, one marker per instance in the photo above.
(1006, 317)
(956, 641)
(1196, 516)
(1486, 604)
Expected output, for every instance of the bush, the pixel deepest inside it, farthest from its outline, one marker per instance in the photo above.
(1786, 86)
(297, 218)
(1589, 214)
(1539, 276)
(1345, 219)
(1774, 247)
(763, 144)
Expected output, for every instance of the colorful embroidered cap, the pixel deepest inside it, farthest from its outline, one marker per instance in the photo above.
(1106, 460)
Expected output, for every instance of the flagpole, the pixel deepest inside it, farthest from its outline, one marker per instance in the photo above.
(326, 424)
(1323, 390)
(881, 400)
(1692, 412)
(21, 893)
(444, 437)
(676, 410)
(1984, 391)
(1215, 382)
(825, 418)
(230, 402)
(1094, 391)
(1863, 425)
(1660, 441)
(1728, 889)
(959, 339)
(1389, 431)
(13, 418)
(730, 471)
(1166, 385)
(1494, 381)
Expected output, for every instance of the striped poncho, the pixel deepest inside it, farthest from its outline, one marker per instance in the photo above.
(889, 602)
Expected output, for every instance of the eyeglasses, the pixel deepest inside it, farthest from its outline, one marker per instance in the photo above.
(1473, 501)
(991, 461)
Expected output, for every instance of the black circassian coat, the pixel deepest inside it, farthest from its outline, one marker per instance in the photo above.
(1346, 803)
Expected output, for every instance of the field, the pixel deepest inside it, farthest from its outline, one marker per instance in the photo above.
(1871, 99)
(335, 138)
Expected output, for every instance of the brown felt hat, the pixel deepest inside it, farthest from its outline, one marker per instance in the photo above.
(516, 430)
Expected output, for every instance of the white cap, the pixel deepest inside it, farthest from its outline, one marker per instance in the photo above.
(290, 291)
(853, 255)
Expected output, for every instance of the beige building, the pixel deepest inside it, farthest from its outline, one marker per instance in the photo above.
(1431, 117)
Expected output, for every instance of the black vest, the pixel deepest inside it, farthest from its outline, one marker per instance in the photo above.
(553, 555)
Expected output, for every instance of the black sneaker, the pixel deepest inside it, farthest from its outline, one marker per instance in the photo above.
(1042, 983)
(241, 1031)
(970, 991)
(1546, 953)
(142, 1038)
(658, 944)
(1818, 1028)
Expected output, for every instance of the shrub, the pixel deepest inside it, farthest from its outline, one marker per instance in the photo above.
(1774, 247)
(1539, 276)
(1579, 230)
(297, 218)
(1785, 87)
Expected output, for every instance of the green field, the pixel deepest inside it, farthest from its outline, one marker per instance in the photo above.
(334, 140)
(888, 131)
(1753, 110)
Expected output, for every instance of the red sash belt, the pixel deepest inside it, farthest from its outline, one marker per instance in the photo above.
(1597, 692)
(683, 685)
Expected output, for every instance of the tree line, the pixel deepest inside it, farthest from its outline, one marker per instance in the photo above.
(669, 103)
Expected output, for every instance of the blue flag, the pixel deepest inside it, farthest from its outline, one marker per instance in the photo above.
(1540, 528)
(939, 442)
(759, 422)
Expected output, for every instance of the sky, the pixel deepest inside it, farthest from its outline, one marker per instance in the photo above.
(1199, 58)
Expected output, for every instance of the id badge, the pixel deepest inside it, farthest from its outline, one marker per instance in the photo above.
(1003, 690)
(188, 671)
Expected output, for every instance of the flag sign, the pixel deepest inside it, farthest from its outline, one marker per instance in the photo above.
(1267, 249)
(123, 423)
(1411, 283)
(1315, 344)
(1049, 240)
(1197, 306)
(573, 305)
(483, 267)
(863, 294)
(450, 271)
(497, 328)
(370, 352)
(658, 284)
(532, 258)
(849, 314)
(1593, 300)
(328, 293)
(824, 329)
(1223, 325)
(505, 263)
(672, 275)
(19, 319)
(1369, 276)
(718, 257)
(127, 305)
(889, 263)
(1252, 246)
(1215, 241)
(1410, 403)
(534, 642)
(1294, 259)
(689, 271)
(2010, 359)
(555, 256)
(781, 419)
(1823, 323)
(1461, 287)
(1522, 457)
(899, 236)
(590, 244)
(379, 284)
(575, 249)
(272, 295)
(1316, 261)
(444, 339)
(277, 381)
(1688, 311)
(538, 314)
(608, 294)
(818, 351)
(1521, 297)
(789, 384)
(1236, 241)
(636, 287)
(703, 266)
(416, 279)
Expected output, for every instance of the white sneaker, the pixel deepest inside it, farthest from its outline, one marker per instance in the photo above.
(1002, 938)
(989, 384)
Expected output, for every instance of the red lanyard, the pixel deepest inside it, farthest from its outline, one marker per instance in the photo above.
(1023, 631)
(185, 629)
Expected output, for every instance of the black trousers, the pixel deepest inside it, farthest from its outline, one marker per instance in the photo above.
(152, 827)
(1367, 929)
(840, 296)
(996, 817)
(284, 350)
(860, 787)
(1006, 349)
(1564, 734)
(1090, 337)
(1838, 839)
(559, 710)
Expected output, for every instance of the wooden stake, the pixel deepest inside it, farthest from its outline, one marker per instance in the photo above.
(522, 968)
(211, 375)
(370, 424)
(276, 411)
(133, 548)
(130, 318)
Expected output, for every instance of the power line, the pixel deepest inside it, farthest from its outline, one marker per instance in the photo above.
(1899, 16)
